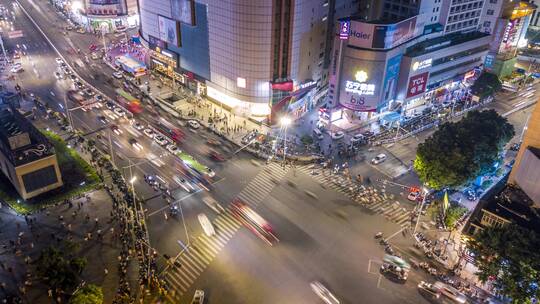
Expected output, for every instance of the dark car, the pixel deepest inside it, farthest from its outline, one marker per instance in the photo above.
(102, 119)
(216, 156)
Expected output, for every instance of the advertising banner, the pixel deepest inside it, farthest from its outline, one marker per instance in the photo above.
(389, 36)
(169, 30)
(183, 11)
(154, 43)
(391, 77)
(360, 84)
(417, 84)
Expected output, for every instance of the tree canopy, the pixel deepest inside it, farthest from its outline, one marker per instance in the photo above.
(89, 294)
(510, 256)
(59, 268)
(459, 152)
(486, 84)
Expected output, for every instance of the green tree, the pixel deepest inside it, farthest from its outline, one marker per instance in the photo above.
(510, 256)
(89, 294)
(59, 268)
(459, 152)
(454, 212)
(486, 84)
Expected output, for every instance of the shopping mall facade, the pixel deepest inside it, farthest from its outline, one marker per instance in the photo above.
(379, 69)
(105, 16)
(254, 57)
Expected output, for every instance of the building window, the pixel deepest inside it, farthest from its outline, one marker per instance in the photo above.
(241, 82)
(487, 23)
(492, 1)
(39, 179)
(490, 12)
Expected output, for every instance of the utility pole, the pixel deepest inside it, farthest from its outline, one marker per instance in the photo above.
(424, 191)
(112, 152)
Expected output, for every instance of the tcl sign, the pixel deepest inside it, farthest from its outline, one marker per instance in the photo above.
(417, 84)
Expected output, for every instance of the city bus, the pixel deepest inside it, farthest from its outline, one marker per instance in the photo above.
(254, 222)
(169, 130)
(129, 102)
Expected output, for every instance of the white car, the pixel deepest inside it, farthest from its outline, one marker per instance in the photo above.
(323, 293)
(358, 138)
(137, 125)
(193, 124)
(149, 132)
(378, 159)
(161, 140)
(213, 204)
(119, 112)
(17, 67)
(110, 114)
(172, 148)
(183, 183)
(59, 60)
(413, 196)
(118, 75)
(206, 224)
(337, 135)
(198, 298)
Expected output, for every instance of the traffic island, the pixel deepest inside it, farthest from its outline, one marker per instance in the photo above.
(78, 176)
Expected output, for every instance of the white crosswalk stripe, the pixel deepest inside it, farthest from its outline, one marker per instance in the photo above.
(203, 249)
(381, 204)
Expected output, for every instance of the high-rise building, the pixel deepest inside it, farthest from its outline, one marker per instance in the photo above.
(526, 170)
(255, 57)
(510, 29)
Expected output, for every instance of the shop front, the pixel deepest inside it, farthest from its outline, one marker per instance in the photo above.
(292, 100)
(166, 63)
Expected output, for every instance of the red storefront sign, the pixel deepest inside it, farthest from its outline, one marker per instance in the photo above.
(417, 84)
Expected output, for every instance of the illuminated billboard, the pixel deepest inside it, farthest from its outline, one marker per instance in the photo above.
(417, 84)
(183, 11)
(169, 30)
(344, 28)
(360, 84)
(380, 36)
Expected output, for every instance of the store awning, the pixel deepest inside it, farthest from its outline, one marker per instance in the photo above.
(391, 117)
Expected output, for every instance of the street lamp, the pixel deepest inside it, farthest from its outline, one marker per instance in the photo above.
(76, 6)
(285, 122)
(424, 192)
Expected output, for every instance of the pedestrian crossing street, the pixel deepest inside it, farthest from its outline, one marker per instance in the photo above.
(369, 197)
(204, 249)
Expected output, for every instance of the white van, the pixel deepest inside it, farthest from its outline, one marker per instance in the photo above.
(318, 134)
(206, 224)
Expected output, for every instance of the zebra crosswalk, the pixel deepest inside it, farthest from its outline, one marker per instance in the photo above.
(204, 249)
(375, 200)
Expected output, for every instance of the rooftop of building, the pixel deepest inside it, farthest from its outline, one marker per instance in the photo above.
(20, 141)
(435, 44)
(381, 21)
(510, 203)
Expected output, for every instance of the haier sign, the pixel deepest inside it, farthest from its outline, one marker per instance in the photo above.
(361, 34)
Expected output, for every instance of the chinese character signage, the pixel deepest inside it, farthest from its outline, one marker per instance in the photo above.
(417, 84)
(360, 84)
